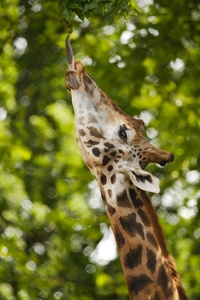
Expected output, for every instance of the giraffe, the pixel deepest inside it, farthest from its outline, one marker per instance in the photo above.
(113, 147)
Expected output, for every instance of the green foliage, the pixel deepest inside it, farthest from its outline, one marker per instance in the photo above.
(51, 216)
(68, 9)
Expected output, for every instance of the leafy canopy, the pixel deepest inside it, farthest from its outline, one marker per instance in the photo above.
(69, 9)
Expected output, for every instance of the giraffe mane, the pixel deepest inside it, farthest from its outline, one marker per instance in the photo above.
(162, 242)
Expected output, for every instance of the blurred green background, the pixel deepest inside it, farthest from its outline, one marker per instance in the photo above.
(54, 235)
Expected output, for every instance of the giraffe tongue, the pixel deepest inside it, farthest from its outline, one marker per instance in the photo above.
(70, 54)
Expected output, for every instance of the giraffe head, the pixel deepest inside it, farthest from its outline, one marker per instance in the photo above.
(110, 140)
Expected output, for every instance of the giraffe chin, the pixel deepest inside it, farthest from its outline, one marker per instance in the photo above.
(143, 179)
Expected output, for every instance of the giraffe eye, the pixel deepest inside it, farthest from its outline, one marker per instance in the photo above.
(122, 134)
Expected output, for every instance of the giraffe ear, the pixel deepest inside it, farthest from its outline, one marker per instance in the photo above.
(144, 180)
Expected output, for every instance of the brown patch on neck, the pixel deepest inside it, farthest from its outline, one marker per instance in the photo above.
(162, 242)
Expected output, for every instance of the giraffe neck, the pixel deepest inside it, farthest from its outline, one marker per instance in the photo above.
(147, 265)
